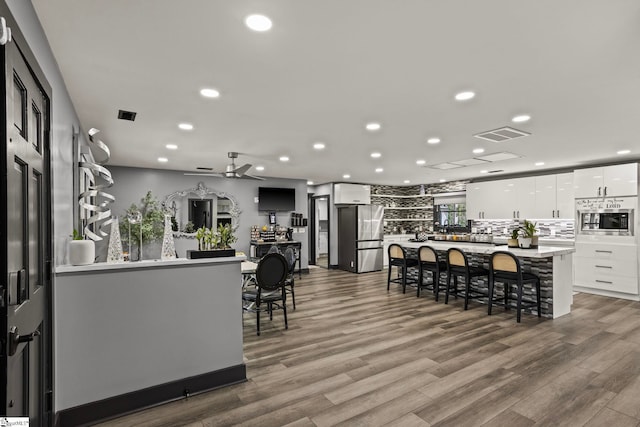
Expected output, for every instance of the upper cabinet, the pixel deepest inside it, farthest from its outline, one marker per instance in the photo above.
(607, 181)
(548, 196)
(352, 194)
(554, 196)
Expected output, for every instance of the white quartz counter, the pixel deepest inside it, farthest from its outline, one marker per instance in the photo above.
(484, 248)
(152, 263)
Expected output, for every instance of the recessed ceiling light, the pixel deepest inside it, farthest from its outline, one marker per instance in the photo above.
(376, 155)
(420, 162)
(284, 158)
(379, 170)
(258, 23)
(539, 163)
(521, 118)
(478, 150)
(319, 146)
(465, 96)
(373, 126)
(443, 180)
(433, 140)
(163, 159)
(171, 146)
(309, 182)
(484, 171)
(406, 181)
(185, 126)
(624, 151)
(209, 93)
(259, 168)
(346, 176)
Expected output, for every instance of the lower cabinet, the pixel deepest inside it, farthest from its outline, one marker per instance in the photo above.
(607, 267)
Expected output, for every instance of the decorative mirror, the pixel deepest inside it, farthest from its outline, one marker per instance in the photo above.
(200, 207)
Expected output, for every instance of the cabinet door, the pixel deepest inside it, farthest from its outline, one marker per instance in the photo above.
(475, 199)
(565, 202)
(587, 182)
(620, 180)
(525, 189)
(545, 201)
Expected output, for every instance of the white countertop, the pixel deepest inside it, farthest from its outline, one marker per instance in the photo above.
(483, 248)
(152, 263)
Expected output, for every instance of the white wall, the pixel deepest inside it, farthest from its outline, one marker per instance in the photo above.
(63, 120)
(131, 184)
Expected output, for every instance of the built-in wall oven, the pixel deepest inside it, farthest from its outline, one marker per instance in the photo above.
(605, 217)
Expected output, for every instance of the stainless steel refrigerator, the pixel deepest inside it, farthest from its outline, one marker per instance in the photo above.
(360, 235)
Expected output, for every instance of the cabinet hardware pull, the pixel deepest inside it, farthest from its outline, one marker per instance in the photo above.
(605, 191)
(599, 190)
(604, 281)
(604, 252)
(603, 266)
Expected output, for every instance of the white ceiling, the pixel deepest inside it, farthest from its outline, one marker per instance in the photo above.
(327, 67)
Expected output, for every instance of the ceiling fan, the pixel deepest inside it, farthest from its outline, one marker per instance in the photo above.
(232, 170)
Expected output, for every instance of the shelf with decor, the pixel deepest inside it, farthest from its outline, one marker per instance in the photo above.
(407, 219)
(396, 196)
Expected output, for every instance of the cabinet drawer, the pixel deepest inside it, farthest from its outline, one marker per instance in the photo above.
(619, 267)
(608, 252)
(590, 276)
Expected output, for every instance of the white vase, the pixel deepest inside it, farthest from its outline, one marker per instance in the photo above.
(524, 242)
(82, 252)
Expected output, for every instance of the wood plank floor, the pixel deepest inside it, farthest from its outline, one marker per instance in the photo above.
(356, 354)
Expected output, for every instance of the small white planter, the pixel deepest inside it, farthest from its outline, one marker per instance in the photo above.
(524, 242)
(82, 252)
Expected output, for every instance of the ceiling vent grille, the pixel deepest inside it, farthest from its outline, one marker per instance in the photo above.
(126, 115)
(502, 134)
(200, 168)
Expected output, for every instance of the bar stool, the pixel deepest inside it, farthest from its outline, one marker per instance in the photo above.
(398, 258)
(505, 267)
(458, 265)
(428, 261)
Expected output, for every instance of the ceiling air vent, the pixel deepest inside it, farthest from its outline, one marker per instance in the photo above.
(503, 134)
(496, 171)
(126, 115)
(200, 168)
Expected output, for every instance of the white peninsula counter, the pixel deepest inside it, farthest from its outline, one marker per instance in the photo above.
(553, 264)
(132, 335)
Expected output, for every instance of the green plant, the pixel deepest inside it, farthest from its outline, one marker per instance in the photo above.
(515, 232)
(529, 228)
(76, 235)
(189, 227)
(151, 223)
(226, 236)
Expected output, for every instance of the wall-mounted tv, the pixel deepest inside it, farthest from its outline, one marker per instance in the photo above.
(276, 199)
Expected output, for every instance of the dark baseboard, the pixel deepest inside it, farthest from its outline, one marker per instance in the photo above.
(334, 267)
(112, 407)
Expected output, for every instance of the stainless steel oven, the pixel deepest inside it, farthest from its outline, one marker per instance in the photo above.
(613, 222)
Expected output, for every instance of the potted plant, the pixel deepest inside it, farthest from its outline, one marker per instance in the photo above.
(149, 227)
(81, 251)
(226, 236)
(213, 243)
(528, 230)
(513, 241)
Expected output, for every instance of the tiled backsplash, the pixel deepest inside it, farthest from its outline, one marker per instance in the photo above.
(561, 229)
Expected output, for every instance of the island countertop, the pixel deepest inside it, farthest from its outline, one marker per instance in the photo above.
(487, 249)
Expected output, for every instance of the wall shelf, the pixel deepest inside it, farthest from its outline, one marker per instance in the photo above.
(407, 219)
(413, 196)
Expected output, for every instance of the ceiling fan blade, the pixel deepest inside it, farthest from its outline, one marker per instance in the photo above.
(242, 169)
(202, 174)
(252, 177)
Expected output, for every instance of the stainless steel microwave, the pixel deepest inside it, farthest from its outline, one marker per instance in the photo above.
(615, 222)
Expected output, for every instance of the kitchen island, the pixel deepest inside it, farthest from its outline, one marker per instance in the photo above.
(553, 264)
(136, 334)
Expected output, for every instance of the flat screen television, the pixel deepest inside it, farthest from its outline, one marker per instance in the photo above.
(276, 199)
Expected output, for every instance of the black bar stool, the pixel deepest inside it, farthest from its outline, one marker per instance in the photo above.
(398, 258)
(428, 261)
(505, 268)
(458, 265)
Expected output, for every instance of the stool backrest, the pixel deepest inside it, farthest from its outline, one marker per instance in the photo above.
(505, 261)
(427, 254)
(396, 251)
(456, 257)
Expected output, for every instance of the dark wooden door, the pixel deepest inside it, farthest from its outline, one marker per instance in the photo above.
(26, 229)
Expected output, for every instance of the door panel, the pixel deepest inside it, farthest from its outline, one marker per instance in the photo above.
(28, 240)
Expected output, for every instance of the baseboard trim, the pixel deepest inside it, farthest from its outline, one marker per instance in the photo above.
(334, 267)
(117, 406)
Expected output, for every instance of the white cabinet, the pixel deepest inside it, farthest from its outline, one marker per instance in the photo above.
(353, 194)
(508, 198)
(617, 180)
(606, 267)
(478, 202)
(554, 196)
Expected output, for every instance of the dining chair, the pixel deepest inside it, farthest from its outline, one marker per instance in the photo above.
(290, 256)
(398, 258)
(271, 275)
(458, 265)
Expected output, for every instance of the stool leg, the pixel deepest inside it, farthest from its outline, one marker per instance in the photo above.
(491, 285)
(389, 276)
(404, 279)
(284, 309)
(420, 272)
(538, 296)
(507, 290)
(446, 292)
(436, 283)
(519, 302)
(467, 281)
